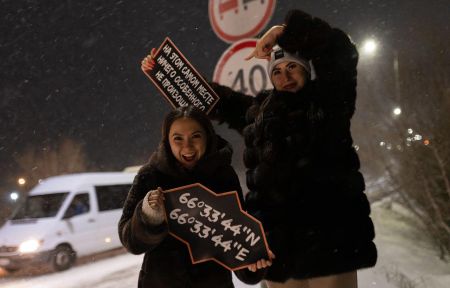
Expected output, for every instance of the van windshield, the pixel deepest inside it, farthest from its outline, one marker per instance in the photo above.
(40, 206)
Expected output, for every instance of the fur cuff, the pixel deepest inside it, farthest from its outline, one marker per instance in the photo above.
(152, 216)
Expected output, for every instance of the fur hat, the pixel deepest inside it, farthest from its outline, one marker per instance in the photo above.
(278, 55)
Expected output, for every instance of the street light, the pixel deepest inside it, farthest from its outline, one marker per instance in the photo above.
(14, 196)
(21, 181)
(369, 47)
(397, 111)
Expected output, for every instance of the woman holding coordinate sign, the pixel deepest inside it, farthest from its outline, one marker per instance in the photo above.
(189, 152)
(302, 169)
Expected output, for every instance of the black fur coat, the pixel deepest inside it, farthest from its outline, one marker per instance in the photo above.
(167, 262)
(302, 170)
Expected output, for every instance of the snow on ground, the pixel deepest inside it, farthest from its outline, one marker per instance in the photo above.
(405, 260)
(116, 272)
(406, 257)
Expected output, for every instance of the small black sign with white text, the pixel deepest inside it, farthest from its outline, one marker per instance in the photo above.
(178, 80)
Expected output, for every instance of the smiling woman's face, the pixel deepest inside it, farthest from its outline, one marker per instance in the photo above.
(288, 76)
(187, 140)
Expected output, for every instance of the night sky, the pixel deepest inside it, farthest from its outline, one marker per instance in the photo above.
(72, 68)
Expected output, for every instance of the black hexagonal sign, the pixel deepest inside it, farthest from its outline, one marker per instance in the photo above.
(214, 226)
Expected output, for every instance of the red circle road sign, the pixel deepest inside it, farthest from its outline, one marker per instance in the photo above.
(233, 20)
(248, 77)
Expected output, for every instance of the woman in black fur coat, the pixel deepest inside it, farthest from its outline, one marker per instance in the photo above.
(303, 172)
(189, 152)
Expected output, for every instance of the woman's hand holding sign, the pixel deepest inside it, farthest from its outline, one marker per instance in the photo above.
(148, 63)
(153, 206)
(156, 199)
(263, 263)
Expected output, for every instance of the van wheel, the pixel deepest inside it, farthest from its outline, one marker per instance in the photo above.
(62, 258)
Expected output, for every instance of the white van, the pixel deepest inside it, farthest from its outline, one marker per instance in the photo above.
(64, 217)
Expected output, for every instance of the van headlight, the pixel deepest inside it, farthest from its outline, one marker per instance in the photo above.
(29, 246)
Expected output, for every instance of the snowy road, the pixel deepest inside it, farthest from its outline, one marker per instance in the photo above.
(121, 271)
(403, 258)
(118, 271)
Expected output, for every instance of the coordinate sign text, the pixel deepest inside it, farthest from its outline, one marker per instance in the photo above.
(214, 226)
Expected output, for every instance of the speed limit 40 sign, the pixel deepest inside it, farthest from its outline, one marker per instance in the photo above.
(248, 77)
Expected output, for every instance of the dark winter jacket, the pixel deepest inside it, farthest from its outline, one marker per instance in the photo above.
(303, 172)
(167, 262)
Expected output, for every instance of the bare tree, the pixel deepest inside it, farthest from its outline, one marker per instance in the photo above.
(411, 150)
(38, 163)
(425, 170)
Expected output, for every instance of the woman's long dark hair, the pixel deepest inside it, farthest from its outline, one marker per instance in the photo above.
(195, 114)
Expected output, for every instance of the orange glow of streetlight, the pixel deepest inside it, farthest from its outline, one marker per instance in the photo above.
(21, 181)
